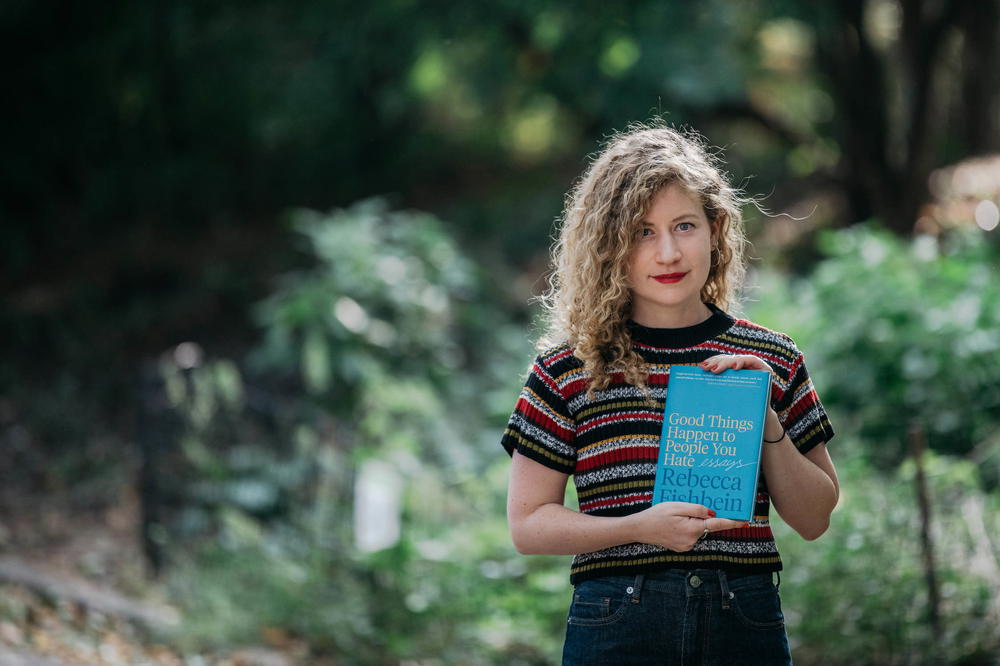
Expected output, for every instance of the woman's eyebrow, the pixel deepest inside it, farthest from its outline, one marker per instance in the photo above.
(689, 214)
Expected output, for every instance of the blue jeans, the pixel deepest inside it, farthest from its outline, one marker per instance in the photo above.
(701, 617)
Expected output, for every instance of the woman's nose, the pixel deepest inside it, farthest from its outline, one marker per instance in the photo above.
(666, 249)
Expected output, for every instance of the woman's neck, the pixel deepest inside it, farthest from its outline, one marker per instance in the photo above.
(680, 317)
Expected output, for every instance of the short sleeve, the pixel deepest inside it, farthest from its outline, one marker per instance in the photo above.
(800, 410)
(541, 427)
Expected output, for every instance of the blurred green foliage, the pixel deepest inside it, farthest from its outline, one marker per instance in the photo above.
(901, 333)
(858, 595)
(378, 305)
(389, 355)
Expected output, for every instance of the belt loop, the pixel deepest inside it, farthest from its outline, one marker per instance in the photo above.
(636, 589)
(727, 596)
(777, 586)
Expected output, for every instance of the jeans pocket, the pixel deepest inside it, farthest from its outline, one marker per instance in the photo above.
(759, 607)
(592, 608)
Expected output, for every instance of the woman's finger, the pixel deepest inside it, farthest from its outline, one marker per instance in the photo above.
(719, 524)
(721, 362)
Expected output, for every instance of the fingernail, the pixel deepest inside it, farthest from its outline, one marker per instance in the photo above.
(746, 524)
(711, 513)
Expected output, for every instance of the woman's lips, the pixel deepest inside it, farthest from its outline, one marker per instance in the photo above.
(669, 278)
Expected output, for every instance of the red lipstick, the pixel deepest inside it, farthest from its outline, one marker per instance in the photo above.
(669, 278)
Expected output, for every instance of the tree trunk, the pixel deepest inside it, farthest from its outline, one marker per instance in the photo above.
(888, 153)
(980, 27)
(917, 446)
(857, 81)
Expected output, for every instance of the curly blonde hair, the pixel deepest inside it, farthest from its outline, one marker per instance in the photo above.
(588, 302)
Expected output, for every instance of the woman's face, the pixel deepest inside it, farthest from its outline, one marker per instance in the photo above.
(670, 261)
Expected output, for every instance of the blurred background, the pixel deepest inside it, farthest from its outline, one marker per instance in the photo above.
(265, 308)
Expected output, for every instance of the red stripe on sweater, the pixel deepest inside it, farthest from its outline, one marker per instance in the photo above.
(561, 355)
(543, 420)
(548, 381)
(804, 403)
(638, 453)
(653, 417)
(746, 532)
(577, 386)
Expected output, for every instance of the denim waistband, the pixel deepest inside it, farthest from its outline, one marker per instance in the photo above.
(682, 574)
(694, 582)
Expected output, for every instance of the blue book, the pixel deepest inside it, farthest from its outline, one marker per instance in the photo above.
(713, 426)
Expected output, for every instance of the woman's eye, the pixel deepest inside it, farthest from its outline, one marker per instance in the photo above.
(645, 232)
(685, 226)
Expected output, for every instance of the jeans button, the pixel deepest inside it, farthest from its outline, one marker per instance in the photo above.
(695, 581)
(629, 589)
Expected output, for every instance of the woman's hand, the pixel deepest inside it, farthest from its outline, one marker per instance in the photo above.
(721, 362)
(678, 525)
(773, 430)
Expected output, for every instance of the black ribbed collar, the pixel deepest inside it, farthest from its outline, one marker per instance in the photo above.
(689, 336)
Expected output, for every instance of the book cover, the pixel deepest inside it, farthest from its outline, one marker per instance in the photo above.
(713, 426)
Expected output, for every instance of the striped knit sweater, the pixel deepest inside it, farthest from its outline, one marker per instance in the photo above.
(609, 443)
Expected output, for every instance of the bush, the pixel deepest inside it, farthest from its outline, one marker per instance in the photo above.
(858, 595)
(362, 512)
(899, 335)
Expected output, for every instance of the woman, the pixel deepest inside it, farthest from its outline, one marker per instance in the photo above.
(649, 255)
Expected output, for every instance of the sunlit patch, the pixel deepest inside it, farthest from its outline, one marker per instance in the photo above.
(381, 333)
(349, 313)
(785, 44)
(435, 550)
(391, 269)
(536, 128)
(925, 247)
(377, 506)
(622, 53)
(987, 215)
(429, 74)
(873, 252)
(188, 355)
